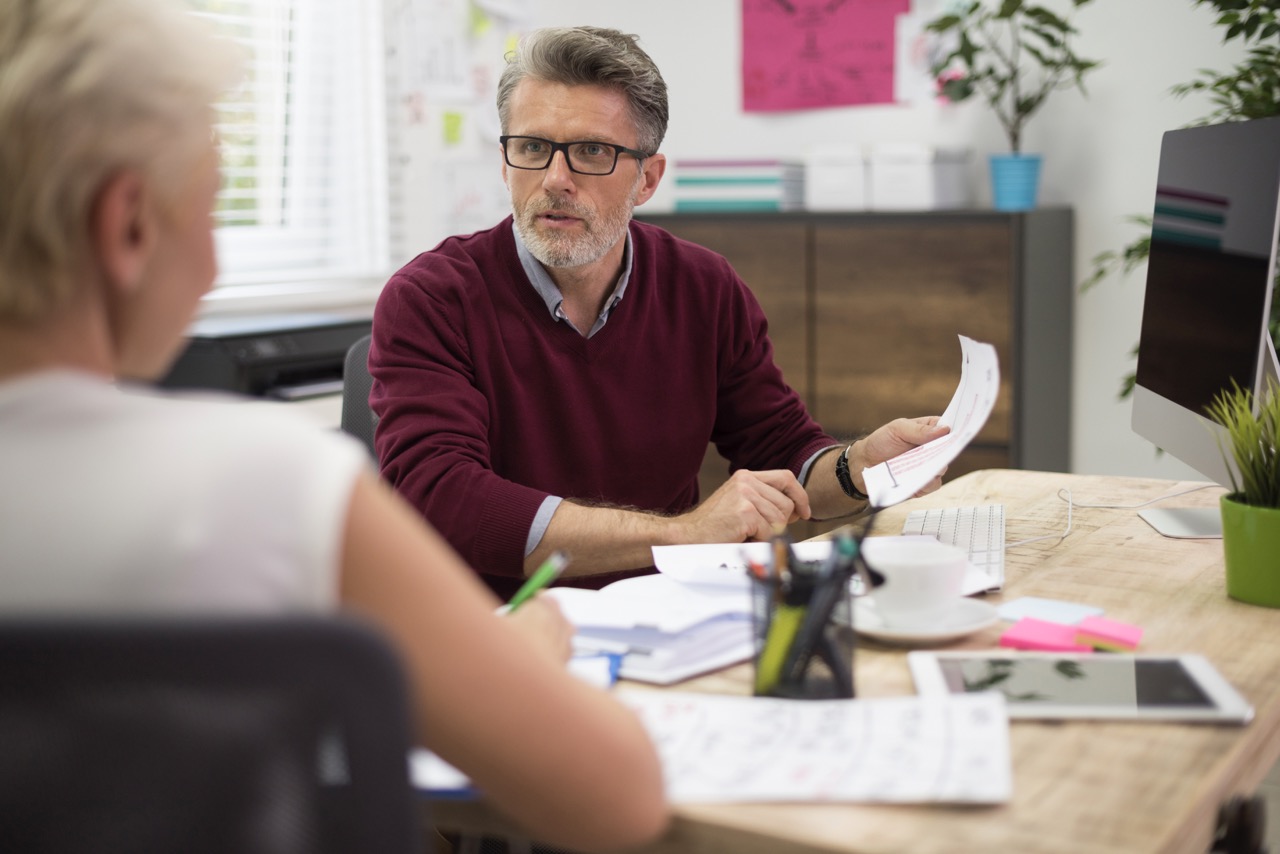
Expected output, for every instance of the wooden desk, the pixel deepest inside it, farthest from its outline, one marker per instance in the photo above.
(1078, 786)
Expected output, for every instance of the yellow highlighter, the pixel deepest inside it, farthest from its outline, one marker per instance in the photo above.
(781, 635)
(791, 600)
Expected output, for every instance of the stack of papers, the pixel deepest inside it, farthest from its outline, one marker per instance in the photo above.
(665, 631)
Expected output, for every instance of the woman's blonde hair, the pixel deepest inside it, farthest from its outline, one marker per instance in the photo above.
(88, 88)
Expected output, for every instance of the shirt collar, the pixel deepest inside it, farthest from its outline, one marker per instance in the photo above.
(550, 294)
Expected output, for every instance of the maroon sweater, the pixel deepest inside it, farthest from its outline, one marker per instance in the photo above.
(488, 405)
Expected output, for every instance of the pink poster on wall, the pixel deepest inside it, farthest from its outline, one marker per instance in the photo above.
(801, 54)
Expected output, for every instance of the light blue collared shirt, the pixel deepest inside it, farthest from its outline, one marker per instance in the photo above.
(541, 281)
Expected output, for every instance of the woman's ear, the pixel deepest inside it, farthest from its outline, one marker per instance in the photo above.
(123, 230)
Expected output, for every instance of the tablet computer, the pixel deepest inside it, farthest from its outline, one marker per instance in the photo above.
(1112, 686)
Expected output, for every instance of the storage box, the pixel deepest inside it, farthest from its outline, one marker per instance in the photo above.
(918, 177)
(835, 179)
(737, 185)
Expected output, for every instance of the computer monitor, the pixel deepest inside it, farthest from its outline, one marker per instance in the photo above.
(1208, 296)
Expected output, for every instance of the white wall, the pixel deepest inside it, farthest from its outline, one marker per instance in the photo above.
(1100, 154)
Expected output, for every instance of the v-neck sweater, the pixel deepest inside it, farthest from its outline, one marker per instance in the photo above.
(487, 404)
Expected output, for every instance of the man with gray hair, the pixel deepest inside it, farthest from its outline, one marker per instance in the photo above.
(552, 383)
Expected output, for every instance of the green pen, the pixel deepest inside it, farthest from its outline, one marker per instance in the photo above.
(542, 576)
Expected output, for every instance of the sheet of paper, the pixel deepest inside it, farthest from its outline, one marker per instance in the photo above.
(596, 667)
(1053, 610)
(722, 749)
(429, 773)
(663, 658)
(903, 476)
(724, 565)
(649, 601)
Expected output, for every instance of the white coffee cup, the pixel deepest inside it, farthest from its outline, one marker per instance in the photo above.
(923, 579)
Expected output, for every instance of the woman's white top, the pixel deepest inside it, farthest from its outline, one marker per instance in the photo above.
(119, 500)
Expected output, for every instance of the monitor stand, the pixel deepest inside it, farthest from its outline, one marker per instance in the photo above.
(1205, 523)
(1185, 523)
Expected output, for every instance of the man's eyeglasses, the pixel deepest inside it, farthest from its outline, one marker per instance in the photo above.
(585, 158)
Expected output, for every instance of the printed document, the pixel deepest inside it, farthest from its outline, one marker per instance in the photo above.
(903, 476)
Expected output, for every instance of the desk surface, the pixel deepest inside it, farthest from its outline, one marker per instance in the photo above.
(1078, 786)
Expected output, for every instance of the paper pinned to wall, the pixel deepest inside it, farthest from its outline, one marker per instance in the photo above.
(906, 474)
(799, 54)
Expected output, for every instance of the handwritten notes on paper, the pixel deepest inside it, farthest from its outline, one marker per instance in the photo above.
(721, 749)
(903, 476)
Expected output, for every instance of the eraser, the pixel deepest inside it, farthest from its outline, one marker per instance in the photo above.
(1102, 633)
(1030, 633)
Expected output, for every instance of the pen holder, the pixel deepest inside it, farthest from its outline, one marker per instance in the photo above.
(804, 636)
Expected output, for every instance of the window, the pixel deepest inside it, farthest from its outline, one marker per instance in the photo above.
(303, 207)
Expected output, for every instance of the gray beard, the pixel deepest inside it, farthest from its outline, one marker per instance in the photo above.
(600, 235)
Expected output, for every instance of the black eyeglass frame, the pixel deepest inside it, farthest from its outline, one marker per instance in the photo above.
(563, 147)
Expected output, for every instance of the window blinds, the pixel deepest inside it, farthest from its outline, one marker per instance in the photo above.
(304, 194)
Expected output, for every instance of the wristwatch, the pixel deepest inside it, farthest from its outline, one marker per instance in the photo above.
(845, 479)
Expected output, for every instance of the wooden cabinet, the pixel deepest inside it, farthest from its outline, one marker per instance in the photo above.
(864, 311)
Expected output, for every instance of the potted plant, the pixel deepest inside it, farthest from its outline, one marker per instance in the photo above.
(1014, 56)
(1251, 511)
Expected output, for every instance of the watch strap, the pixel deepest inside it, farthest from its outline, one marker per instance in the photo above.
(845, 479)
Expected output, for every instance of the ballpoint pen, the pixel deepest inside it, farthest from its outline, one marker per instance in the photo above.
(542, 576)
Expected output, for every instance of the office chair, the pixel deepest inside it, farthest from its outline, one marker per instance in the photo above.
(357, 418)
(247, 735)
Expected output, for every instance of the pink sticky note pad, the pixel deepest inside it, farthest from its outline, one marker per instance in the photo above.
(1108, 634)
(1030, 633)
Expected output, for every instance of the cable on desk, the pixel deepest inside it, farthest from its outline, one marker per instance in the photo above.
(1065, 494)
(1144, 503)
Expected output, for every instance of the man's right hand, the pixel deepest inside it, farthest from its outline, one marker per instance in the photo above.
(751, 505)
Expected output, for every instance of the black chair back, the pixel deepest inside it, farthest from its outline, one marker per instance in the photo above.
(255, 736)
(357, 418)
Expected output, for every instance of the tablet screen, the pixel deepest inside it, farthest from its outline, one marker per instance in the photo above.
(1046, 685)
(1079, 682)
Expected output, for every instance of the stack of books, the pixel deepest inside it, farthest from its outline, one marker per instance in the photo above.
(738, 185)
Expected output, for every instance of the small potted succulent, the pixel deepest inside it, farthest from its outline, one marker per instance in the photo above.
(1251, 511)
(1013, 54)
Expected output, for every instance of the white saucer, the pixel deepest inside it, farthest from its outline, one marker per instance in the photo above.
(970, 615)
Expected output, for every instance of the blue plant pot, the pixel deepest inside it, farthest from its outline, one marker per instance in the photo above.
(1015, 181)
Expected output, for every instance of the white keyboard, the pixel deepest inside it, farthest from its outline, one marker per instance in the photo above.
(978, 529)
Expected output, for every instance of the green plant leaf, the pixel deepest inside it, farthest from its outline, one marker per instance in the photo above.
(943, 24)
(1009, 8)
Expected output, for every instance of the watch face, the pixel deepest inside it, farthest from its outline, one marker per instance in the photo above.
(817, 53)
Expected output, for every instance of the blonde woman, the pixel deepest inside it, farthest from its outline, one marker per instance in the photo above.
(120, 500)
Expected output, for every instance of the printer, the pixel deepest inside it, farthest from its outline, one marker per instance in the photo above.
(281, 356)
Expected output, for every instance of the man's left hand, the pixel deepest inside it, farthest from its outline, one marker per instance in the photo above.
(895, 438)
